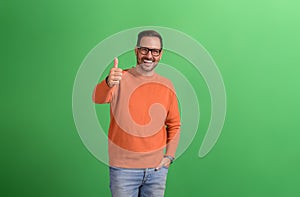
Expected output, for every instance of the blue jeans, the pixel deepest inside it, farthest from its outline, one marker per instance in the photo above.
(146, 182)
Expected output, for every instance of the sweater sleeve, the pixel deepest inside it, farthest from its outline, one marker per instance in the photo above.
(103, 93)
(173, 127)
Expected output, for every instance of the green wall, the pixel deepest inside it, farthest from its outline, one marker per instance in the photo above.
(255, 44)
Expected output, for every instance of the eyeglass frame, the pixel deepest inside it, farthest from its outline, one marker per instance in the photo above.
(148, 49)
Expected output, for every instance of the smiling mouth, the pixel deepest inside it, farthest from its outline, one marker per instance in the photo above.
(148, 61)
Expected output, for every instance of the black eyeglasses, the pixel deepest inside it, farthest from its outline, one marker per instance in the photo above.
(145, 51)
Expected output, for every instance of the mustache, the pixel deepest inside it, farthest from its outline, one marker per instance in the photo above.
(148, 58)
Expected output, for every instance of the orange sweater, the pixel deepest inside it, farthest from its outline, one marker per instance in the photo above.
(144, 119)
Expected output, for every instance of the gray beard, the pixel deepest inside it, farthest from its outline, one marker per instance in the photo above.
(142, 66)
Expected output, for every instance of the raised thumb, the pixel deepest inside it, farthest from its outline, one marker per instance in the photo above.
(116, 62)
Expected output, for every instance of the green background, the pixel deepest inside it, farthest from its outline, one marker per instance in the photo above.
(255, 44)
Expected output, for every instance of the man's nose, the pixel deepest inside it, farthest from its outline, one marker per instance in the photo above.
(149, 54)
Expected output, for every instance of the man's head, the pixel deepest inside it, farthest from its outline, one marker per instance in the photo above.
(149, 33)
(148, 51)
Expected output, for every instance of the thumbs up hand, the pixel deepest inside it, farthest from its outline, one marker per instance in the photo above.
(115, 74)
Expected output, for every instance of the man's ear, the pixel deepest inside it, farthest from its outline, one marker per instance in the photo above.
(136, 50)
(161, 53)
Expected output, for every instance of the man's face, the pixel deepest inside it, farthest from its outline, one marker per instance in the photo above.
(147, 62)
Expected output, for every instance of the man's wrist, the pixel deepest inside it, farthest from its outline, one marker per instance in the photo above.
(107, 82)
(169, 157)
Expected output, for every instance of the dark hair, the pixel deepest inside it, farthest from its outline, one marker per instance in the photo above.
(149, 33)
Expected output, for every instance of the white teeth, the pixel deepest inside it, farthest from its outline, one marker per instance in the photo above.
(148, 61)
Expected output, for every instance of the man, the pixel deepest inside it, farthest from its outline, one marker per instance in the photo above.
(145, 122)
